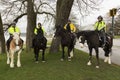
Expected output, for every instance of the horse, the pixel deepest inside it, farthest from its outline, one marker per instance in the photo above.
(40, 43)
(94, 42)
(67, 40)
(16, 46)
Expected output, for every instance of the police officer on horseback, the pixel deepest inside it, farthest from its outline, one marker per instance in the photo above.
(70, 27)
(37, 28)
(13, 28)
(100, 26)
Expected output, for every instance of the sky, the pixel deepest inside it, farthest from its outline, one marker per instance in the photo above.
(104, 8)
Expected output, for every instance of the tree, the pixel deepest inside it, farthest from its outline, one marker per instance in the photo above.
(33, 8)
(2, 38)
(63, 8)
(31, 23)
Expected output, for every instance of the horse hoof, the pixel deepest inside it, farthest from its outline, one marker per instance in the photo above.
(36, 62)
(109, 62)
(69, 59)
(43, 61)
(8, 62)
(11, 66)
(89, 63)
(97, 67)
(62, 59)
(18, 65)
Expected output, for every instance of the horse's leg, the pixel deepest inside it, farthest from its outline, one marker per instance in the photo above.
(63, 56)
(97, 56)
(72, 52)
(107, 56)
(69, 57)
(36, 52)
(43, 57)
(12, 59)
(90, 56)
(18, 60)
(8, 57)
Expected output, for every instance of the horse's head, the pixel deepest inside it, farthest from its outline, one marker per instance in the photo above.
(59, 31)
(16, 38)
(39, 32)
(16, 35)
(81, 38)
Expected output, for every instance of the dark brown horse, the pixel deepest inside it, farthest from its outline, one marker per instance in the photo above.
(40, 43)
(94, 42)
(67, 40)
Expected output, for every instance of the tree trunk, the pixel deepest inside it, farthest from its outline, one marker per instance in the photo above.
(63, 9)
(2, 38)
(31, 23)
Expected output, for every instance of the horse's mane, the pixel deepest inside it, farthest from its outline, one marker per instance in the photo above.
(89, 32)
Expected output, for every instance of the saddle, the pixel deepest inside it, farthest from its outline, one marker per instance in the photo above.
(101, 40)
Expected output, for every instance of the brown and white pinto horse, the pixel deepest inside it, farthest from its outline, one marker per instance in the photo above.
(16, 45)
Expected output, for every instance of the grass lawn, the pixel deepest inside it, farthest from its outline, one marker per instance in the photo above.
(54, 69)
(116, 37)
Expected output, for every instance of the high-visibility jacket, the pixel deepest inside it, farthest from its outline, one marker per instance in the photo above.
(100, 25)
(12, 29)
(72, 27)
(35, 30)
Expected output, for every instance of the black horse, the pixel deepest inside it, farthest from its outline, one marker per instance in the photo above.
(67, 40)
(94, 41)
(39, 43)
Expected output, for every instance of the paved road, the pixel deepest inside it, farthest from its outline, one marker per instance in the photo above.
(115, 57)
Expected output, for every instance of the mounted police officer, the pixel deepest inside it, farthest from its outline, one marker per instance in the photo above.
(70, 27)
(100, 26)
(37, 28)
(13, 28)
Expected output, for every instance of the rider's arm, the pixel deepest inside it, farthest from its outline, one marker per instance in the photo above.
(65, 26)
(73, 28)
(10, 31)
(35, 31)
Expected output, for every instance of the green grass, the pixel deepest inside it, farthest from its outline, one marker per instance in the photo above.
(54, 69)
(116, 37)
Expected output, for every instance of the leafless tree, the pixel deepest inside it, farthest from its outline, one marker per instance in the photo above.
(2, 38)
(63, 9)
(16, 9)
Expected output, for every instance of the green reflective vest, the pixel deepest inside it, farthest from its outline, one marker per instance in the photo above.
(11, 30)
(100, 25)
(35, 30)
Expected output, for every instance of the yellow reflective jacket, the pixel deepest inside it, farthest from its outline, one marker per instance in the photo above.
(35, 30)
(72, 27)
(11, 30)
(100, 25)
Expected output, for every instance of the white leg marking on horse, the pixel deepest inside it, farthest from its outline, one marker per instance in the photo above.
(97, 67)
(18, 61)
(106, 59)
(8, 58)
(43, 61)
(109, 59)
(81, 45)
(71, 54)
(62, 59)
(17, 48)
(89, 63)
(69, 58)
(12, 59)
